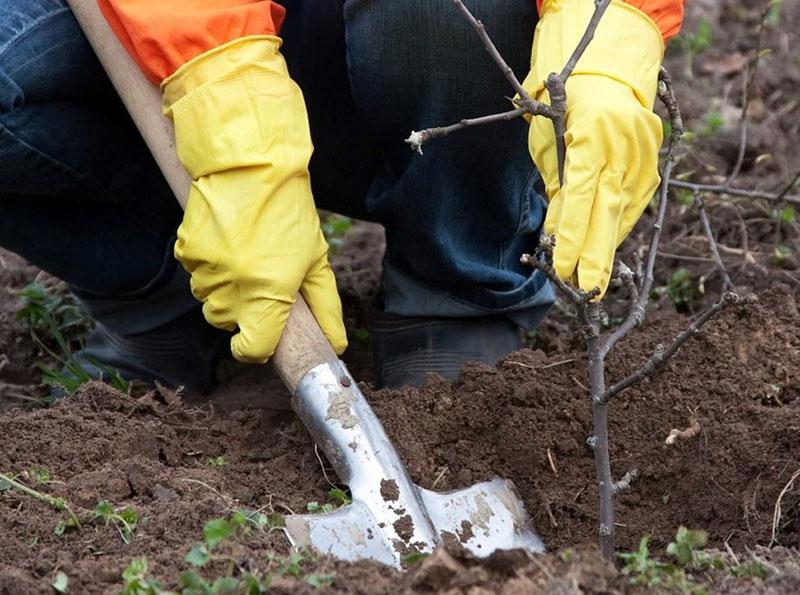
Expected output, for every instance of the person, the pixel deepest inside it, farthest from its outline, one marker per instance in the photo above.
(276, 104)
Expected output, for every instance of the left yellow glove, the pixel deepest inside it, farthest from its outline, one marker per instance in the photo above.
(612, 135)
(250, 235)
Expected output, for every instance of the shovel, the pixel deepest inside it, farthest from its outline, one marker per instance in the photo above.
(389, 517)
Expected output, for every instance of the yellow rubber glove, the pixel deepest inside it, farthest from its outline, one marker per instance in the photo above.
(250, 235)
(612, 135)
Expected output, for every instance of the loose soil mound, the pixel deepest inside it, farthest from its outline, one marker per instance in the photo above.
(526, 420)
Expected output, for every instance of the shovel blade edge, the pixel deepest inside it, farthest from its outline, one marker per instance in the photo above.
(349, 533)
(486, 517)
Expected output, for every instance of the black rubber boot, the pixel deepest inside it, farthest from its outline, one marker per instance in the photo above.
(408, 349)
(182, 352)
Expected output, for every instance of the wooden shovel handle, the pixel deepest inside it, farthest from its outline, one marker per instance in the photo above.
(302, 345)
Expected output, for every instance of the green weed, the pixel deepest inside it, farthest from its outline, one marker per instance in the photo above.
(693, 44)
(124, 519)
(216, 461)
(57, 325)
(136, 581)
(680, 290)
(220, 532)
(337, 497)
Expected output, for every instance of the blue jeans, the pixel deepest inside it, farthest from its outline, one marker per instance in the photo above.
(81, 197)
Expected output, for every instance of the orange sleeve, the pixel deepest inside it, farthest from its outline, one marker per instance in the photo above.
(667, 14)
(161, 35)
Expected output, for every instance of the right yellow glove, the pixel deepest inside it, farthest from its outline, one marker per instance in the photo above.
(612, 135)
(250, 235)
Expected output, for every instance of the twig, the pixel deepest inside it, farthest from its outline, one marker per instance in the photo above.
(789, 187)
(588, 35)
(662, 354)
(726, 280)
(417, 139)
(638, 310)
(675, 434)
(525, 100)
(624, 484)
(719, 189)
(776, 515)
(552, 462)
(750, 77)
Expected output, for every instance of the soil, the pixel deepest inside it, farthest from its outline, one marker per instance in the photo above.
(181, 461)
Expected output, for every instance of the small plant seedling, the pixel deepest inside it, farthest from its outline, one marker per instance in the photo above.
(687, 549)
(679, 289)
(753, 568)
(39, 475)
(8, 482)
(136, 581)
(319, 580)
(55, 319)
(781, 255)
(413, 558)
(648, 572)
(338, 498)
(317, 508)
(124, 519)
(216, 461)
(713, 124)
(694, 44)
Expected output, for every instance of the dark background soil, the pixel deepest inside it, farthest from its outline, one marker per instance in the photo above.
(526, 420)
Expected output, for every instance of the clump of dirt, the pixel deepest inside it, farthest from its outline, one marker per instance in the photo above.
(389, 490)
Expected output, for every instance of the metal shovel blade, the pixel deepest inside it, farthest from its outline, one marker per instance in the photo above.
(390, 517)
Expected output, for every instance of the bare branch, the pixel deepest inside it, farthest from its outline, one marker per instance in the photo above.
(726, 279)
(639, 308)
(525, 99)
(750, 77)
(662, 354)
(418, 138)
(720, 189)
(588, 35)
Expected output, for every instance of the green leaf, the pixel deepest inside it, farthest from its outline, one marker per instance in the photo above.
(61, 583)
(250, 585)
(194, 584)
(787, 215)
(136, 568)
(64, 526)
(317, 508)
(687, 542)
(39, 475)
(413, 558)
(103, 509)
(754, 568)
(217, 530)
(129, 515)
(320, 580)
(225, 585)
(198, 556)
(339, 496)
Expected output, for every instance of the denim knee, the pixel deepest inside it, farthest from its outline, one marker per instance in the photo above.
(43, 54)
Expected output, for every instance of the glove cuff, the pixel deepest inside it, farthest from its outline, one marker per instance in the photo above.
(627, 46)
(222, 62)
(232, 104)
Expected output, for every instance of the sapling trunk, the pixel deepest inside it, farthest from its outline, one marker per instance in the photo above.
(599, 439)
